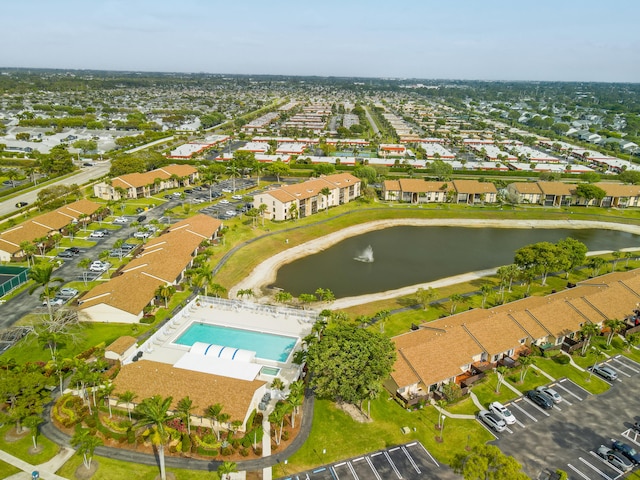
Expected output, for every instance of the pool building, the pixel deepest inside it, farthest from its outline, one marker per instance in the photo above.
(218, 351)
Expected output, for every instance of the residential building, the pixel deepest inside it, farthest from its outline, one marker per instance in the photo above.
(454, 348)
(304, 199)
(525, 192)
(141, 185)
(162, 261)
(415, 190)
(472, 192)
(39, 229)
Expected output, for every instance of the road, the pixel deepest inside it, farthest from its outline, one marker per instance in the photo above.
(23, 303)
(376, 130)
(83, 175)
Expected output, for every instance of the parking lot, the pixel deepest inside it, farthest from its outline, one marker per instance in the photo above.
(567, 436)
(410, 461)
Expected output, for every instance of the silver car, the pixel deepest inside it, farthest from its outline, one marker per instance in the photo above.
(492, 420)
(551, 393)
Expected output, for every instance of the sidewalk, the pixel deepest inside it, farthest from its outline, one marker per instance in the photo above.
(46, 470)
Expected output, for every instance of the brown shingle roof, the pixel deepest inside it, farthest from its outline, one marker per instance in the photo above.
(557, 188)
(619, 189)
(122, 344)
(527, 188)
(147, 178)
(474, 186)
(312, 188)
(146, 379)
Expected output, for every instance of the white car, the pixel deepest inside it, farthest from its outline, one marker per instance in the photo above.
(141, 235)
(67, 292)
(96, 235)
(99, 266)
(236, 197)
(121, 220)
(230, 213)
(503, 412)
(54, 302)
(551, 393)
(224, 201)
(226, 190)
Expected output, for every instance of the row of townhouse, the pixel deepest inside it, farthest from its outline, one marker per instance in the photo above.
(416, 190)
(306, 198)
(162, 261)
(454, 348)
(555, 194)
(43, 227)
(142, 185)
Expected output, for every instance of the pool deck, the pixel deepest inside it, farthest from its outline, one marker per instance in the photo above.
(236, 314)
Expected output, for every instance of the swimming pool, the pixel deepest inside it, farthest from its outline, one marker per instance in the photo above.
(266, 345)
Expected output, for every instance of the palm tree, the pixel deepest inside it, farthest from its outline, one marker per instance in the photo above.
(616, 258)
(42, 277)
(86, 444)
(165, 292)
(596, 263)
(628, 256)
(486, 289)
(126, 398)
(226, 469)
(262, 209)
(325, 192)
(500, 372)
(382, 316)
(217, 290)
(455, 299)
(154, 414)
(525, 364)
(213, 412)
(234, 172)
(29, 250)
(184, 408)
(588, 330)
(107, 390)
(295, 400)
(203, 278)
(615, 326)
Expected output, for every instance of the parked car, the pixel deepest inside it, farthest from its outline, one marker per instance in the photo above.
(66, 254)
(236, 197)
(627, 450)
(168, 197)
(551, 393)
(74, 250)
(188, 190)
(614, 458)
(605, 372)
(99, 266)
(118, 253)
(226, 190)
(128, 246)
(141, 235)
(177, 194)
(492, 420)
(142, 218)
(539, 399)
(104, 230)
(96, 234)
(224, 201)
(54, 302)
(230, 213)
(67, 292)
(503, 412)
(121, 220)
(139, 210)
(21, 204)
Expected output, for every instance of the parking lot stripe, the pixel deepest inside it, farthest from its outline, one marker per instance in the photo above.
(353, 472)
(618, 369)
(410, 458)
(375, 472)
(427, 452)
(625, 365)
(339, 464)
(357, 459)
(627, 434)
(394, 449)
(628, 360)
(606, 462)
(592, 467)
(567, 402)
(525, 412)
(537, 407)
(569, 392)
(577, 471)
(518, 422)
(587, 393)
(393, 465)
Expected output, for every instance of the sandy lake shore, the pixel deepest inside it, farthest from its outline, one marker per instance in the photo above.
(265, 273)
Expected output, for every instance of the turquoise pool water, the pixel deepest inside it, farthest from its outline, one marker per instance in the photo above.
(266, 345)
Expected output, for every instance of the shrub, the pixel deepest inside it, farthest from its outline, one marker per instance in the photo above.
(285, 435)
(131, 436)
(91, 421)
(252, 415)
(258, 451)
(244, 452)
(186, 443)
(148, 320)
(451, 392)
(561, 359)
(226, 451)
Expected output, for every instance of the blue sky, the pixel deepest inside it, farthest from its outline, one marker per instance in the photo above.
(569, 40)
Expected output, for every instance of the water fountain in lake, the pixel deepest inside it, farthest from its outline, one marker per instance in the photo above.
(366, 256)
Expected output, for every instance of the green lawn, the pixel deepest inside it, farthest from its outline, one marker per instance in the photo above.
(556, 370)
(28, 350)
(532, 380)
(465, 406)
(342, 437)
(21, 447)
(485, 390)
(118, 470)
(7, 470)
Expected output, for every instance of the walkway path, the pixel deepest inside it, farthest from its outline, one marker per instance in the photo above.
(46, 470)
(462, 416)
(55, 435)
